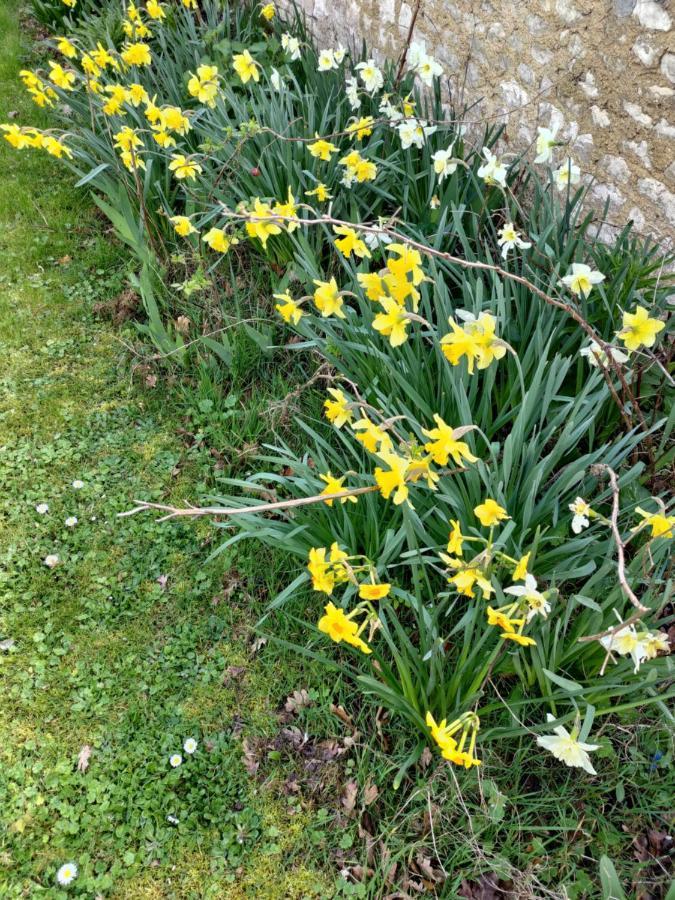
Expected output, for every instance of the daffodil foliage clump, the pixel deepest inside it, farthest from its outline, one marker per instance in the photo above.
(479, 540)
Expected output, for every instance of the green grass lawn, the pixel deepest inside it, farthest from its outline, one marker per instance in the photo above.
(133, 642)
(125, 646)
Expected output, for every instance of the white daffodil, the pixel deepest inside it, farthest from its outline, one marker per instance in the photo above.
(492, 171)
(565, 747)
(545, 143)
(444, 164)
(78, 485)
(42, 508)
(414, 131)
(626, 642)
(416, 51)
(597, 356)
(51, 561)
(175, 760)
(510, 238)
(326, 60)
(339, 54)
(375, 239)
(190, 746)
(536, 601)
(581, 511)
(427, 68)
(66, 874)
(291, 45)
(371, 76)
(71, 522)
(654, 642)
(568, 173)
(352, 91)
(275, 80)
(581, 278)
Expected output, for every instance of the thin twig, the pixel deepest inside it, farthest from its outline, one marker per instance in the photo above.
(406, 46)
(175, 512)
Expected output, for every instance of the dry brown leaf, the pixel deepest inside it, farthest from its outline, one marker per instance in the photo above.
(297, 700)
(426, 758)
(251, 762)
(370, 794)
(349, 795)
(342, 714)
(83, 758)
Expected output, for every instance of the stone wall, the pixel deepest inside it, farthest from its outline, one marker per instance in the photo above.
(603, 69)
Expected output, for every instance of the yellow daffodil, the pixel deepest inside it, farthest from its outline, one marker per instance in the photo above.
(521, 639)
(350, 242)
(262, 224)
(182, 167)
(288, 308)
(323, 577)
(136, 94)
(374, 591)
(172, 118)
(639, 329)
(520, 571)
(445, 444)
(393, 322)
(321, 193)
(204, 85)
(327, 299)
(321, 149)
(61, 77)
(490, 513)
(335, 486)
(289, 210)
(372, 284)
(16, 137)
(337, 410)
(127, 139)
(362, 127)
(372, 436)
(155, 10)
(218, 240)
(182, 225)
(501, 620)
(65, 47)
(55, 147)
(137, 54)
(456, 539)
(118, 96)
(452, 749)
(468, 577)
(340, 627)
(660, 524)
(268, 11)
(392, 480)
(245, 67)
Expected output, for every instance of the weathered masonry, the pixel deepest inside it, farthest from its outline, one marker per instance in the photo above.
(603, 70)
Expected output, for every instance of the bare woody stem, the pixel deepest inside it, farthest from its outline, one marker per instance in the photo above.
(176, 512)
(618, 540)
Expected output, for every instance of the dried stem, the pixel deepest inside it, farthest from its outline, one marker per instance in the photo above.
(406, 46)
(175, 512)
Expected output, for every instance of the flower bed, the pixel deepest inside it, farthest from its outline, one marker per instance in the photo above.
(478, 524)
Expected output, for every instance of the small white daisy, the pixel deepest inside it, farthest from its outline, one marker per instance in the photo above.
(67, 873)
(190, 745)
(42, 508)
(78, 485)
(175, 760)
(51, 560)
(71, 521)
